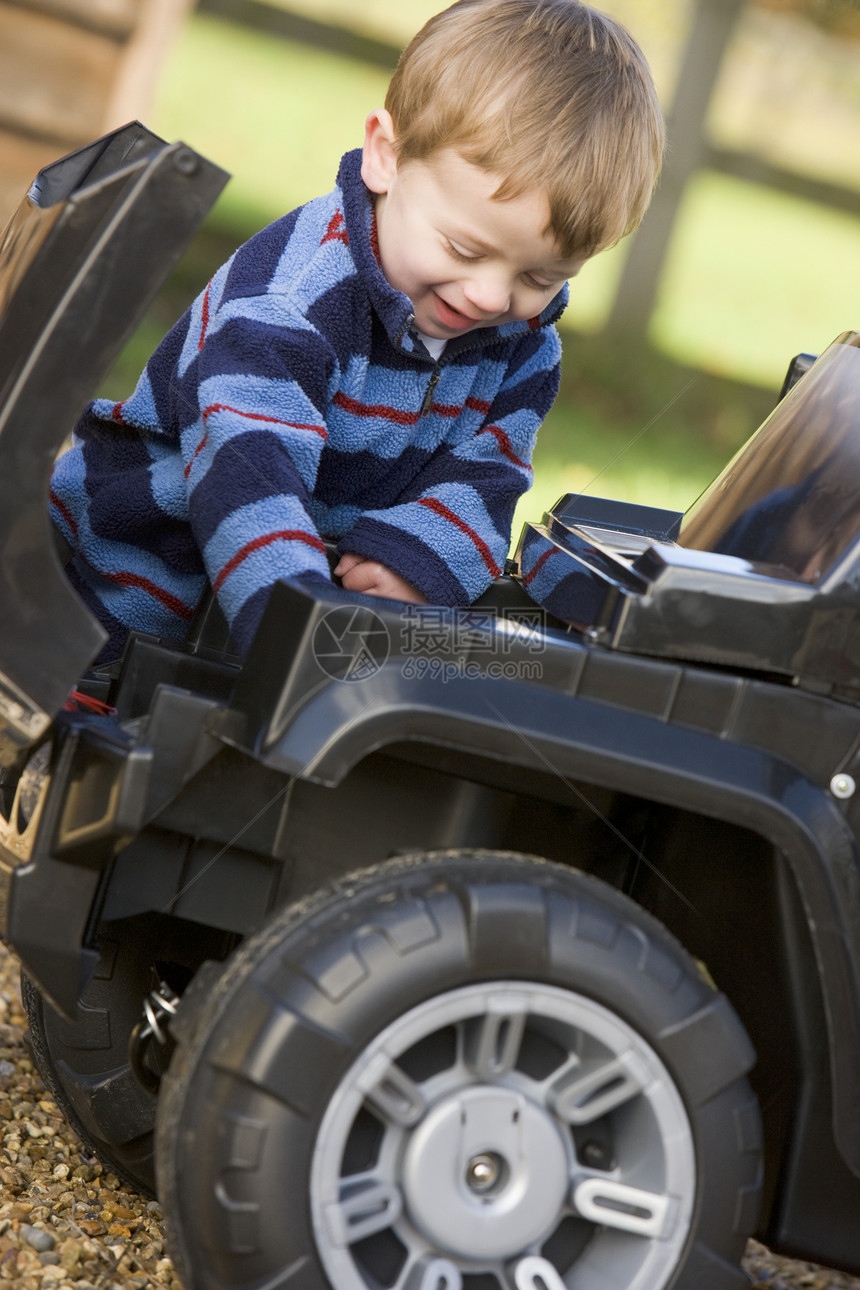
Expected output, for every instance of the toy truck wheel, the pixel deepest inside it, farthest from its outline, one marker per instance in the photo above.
(460, 1070)
(85, 1064)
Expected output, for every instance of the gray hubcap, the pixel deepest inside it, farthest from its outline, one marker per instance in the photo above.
(485, 1173)
(510, 1129)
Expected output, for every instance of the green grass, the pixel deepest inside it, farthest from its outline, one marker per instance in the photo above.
(640, 427)
(752, 277)
(277, 115)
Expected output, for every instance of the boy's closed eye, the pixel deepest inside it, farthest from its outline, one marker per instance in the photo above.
(457, 253)
(537, 285)
(533, 282)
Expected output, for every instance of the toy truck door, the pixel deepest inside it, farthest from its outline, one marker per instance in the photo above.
(80, 260)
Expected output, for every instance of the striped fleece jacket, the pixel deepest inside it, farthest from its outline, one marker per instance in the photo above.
(293, 402)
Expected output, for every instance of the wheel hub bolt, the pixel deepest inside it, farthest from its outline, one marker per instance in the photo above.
(483, 1172)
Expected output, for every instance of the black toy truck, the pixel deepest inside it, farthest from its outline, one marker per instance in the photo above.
(509, 948)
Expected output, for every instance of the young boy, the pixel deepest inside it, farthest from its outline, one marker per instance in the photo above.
(372, 369)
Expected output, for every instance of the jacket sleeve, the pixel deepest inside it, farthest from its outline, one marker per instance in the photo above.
(254, 430)
(449, 533)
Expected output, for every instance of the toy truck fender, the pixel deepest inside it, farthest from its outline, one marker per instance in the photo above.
(580, 724)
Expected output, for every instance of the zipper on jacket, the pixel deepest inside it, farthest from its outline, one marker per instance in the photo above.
(428, 393)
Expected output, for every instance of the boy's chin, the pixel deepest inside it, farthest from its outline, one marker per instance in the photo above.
(433, 330)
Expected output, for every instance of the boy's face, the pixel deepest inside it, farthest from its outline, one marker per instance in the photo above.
(465, 259)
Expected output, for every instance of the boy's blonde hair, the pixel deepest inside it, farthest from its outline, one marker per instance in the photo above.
(549, 94)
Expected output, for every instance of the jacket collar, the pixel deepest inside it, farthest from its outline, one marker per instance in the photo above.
(393, 307)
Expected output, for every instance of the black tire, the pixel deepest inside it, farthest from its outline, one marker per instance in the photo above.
(266, 1136)
(85, 1064)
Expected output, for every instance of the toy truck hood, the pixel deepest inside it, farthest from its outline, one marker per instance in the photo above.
(762, 574)
(79, 262)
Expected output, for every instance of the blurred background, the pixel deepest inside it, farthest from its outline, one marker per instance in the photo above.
(675, 343)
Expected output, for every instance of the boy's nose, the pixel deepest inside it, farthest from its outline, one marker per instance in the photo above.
(490, 296)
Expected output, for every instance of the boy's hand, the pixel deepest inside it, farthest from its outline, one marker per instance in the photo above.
(357, 573)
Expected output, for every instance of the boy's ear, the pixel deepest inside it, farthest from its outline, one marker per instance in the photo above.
(379, 158)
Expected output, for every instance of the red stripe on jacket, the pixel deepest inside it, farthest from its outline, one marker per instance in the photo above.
(505, 445)
(125, 578)
(375, 410)
(266, 539)
(201, 445)
(336, 231)
(406, 418)
(64, 511)
(433, 504)
(261, 416)
(250, 416)
(204, 321)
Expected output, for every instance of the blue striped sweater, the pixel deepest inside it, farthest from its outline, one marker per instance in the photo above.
(293, 402)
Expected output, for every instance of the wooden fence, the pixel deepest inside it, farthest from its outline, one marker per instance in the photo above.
(71, 70)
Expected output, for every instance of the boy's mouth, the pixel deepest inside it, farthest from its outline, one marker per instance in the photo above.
(452, 318)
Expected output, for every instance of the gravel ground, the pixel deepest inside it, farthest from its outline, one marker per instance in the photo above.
(68, 1224)
(65, 1222)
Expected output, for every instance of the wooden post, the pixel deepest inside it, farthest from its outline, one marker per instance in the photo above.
(71, 70)
(713, 23)
(157, 23)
